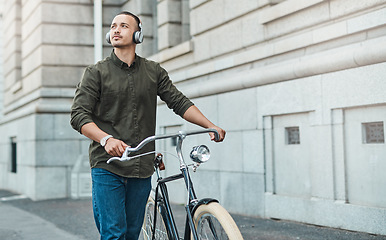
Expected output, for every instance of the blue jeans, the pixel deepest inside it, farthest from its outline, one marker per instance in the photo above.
(118, 204)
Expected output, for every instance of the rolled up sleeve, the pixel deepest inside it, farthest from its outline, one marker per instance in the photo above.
(86, 96)
(169, 93)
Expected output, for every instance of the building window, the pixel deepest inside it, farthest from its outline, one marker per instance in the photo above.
(13, 155)
(373, 132)
(292, 135)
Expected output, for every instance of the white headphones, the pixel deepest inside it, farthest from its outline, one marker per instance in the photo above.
(137, 35)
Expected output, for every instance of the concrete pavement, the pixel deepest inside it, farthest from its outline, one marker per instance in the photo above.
(69, 219)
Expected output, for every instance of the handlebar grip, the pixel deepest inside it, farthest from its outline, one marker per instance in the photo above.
(216, 134)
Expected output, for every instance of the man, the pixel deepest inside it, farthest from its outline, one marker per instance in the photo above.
(115, 106)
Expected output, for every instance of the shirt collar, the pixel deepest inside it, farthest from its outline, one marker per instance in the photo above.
(120, 63)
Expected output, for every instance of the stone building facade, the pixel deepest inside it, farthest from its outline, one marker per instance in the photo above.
(299, 85)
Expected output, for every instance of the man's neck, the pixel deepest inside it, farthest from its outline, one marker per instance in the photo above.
(126, 55)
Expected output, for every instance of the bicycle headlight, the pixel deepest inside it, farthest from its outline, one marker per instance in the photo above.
(200, 154)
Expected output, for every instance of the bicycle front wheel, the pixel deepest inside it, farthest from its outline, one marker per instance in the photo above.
(148, 223)
(212, 221)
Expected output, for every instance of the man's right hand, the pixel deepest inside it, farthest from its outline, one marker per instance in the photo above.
(115, 147)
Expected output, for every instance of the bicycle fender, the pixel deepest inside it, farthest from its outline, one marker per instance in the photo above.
(203, 201)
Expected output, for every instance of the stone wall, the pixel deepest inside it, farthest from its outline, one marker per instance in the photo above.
(264, 71)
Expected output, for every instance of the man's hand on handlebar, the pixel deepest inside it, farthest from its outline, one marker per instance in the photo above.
(115, 147)
(221, 133)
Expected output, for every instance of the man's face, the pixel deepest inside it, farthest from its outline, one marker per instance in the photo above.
(121, 31)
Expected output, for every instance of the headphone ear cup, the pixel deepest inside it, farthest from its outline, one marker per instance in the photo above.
(108, 37)
(138, 37)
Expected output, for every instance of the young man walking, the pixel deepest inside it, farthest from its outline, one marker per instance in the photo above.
(115, 106)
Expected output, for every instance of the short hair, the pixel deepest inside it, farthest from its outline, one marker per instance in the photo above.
(133, 15)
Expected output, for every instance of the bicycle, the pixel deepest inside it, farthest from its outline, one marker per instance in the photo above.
(205, 218)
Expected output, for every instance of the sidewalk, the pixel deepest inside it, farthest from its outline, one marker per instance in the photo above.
(68, 219)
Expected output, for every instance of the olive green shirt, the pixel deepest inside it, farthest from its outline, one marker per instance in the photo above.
(122, 100)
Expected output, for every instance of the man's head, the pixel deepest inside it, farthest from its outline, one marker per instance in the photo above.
(125, 30)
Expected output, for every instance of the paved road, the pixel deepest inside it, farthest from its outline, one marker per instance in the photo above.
(69, 219)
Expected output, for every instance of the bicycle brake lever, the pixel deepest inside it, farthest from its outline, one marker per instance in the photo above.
(122, 159)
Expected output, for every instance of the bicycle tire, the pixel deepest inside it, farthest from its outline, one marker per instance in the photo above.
(224, 227)
(147, 227)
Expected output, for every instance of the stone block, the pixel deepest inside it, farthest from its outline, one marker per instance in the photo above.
(33, 42)
(367, 21)
(344, 7)
(185, 12)
(209, 107)
(195, 3)
(242, 193)
(68, 34)
(26, 153)
(322, 178)
(62, 128)
(229, 153)
(5, 149)
(200, 24)
(13, 47)
(25, 128)
(33, 61)
(45, 127)
(292, 43)
(169, 35)
(109, 12)
(233, 9)
(34, 20)
(252, 31)
(145, 7)
(288, 97)
(202, 46)
(29, 8)
(225, 39)
(284, 9)
(255, 53)
(169, 11)
(57, 153)
(64, 55)
(67, 13)
(13, 31)
(51, 182)
(64, 76)
(253, 194)
(253, 151)
(207, 183)
(329, 32)
(296, 22)
(233, 116)
(354, 87)
(148, 28)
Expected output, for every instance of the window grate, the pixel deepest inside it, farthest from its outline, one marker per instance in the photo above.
(292, 135)
(13, 155)
(373, 132)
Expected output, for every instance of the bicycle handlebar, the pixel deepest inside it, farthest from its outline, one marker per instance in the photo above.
(180, 134)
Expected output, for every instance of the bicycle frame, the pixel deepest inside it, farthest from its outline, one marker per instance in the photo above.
(161, 188)
(192, 204)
